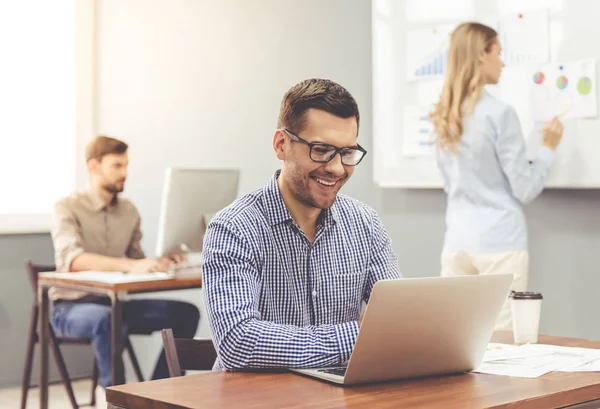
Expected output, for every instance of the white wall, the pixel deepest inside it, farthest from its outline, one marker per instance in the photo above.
(199, 82)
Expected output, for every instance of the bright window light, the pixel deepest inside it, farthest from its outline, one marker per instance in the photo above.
(37, 101)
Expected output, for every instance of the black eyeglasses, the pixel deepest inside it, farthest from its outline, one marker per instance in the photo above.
(323, 152)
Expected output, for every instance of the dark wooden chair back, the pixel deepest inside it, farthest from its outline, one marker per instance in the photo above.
(32, 273)
(187, 354)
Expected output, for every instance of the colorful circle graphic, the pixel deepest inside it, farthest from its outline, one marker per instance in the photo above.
(562, 82)
(584, 86)
(538, 77)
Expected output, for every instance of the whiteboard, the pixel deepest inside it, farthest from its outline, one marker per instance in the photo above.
(404, 79)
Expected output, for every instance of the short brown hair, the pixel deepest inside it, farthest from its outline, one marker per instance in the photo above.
(315, 93)
(101, 146)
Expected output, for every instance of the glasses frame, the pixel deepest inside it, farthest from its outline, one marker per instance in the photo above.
(337, 150)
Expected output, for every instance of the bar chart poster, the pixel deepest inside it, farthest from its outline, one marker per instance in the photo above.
(427, 52)
(525, 37)
(418, 139)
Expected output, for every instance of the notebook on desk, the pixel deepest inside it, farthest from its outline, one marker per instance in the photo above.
(420, 327)
(111, 277)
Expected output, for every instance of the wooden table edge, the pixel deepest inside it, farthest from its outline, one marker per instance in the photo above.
(131, 287)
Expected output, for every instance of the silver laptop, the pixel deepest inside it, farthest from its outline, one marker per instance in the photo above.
(422, 326)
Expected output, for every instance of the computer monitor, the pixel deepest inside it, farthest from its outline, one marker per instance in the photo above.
(191, 197)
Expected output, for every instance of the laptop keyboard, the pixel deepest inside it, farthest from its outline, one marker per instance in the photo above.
(341, 371)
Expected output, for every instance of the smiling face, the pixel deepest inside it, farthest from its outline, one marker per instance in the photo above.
(312, 184)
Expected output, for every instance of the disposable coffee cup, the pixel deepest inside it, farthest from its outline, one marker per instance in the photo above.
(526, 308)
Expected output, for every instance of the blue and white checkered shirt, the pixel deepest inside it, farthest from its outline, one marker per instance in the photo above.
(276, 300)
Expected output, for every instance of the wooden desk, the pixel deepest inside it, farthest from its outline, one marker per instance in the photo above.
(286, 390)
(115, 292)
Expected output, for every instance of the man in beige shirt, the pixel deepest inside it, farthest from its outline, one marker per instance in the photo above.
(97, 230)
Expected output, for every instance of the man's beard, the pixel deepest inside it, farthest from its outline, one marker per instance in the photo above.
(114, 188)
(300, 187)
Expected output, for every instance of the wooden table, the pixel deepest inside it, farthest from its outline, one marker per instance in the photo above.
(286, 390)
(116, 293)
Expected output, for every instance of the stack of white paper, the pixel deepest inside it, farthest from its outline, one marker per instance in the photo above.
(534, 360)
(572, 359)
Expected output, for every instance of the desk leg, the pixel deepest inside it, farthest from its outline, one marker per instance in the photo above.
(44, 335)
(118, 376)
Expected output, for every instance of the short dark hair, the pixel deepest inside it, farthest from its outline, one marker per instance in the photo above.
(101, 146)
(315, 93)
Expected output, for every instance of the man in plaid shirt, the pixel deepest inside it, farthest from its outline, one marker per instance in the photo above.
(287, 267)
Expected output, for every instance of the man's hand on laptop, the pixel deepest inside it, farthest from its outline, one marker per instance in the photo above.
(150, 265)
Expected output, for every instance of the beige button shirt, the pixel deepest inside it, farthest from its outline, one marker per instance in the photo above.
(83, 222)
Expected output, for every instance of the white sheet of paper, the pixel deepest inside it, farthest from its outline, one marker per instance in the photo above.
(521, 367)
(427, 51)
(569, 359)
(533, 360)
(428, 92)
(503, 352)
(592, 366)
(564, 89)
(538, 92)
(112, 277)
(525, 37)
(418, 132)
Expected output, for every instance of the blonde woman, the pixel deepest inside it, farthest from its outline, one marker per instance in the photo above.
(480, 151)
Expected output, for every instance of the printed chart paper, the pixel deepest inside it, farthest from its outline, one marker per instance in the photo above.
(418, 132)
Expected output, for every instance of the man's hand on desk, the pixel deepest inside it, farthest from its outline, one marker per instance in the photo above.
(150, 265)
(176, 258)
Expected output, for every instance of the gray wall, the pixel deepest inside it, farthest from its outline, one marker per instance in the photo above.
(198, 83)
(16, 298)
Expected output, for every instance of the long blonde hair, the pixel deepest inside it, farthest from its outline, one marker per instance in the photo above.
(463, 82)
